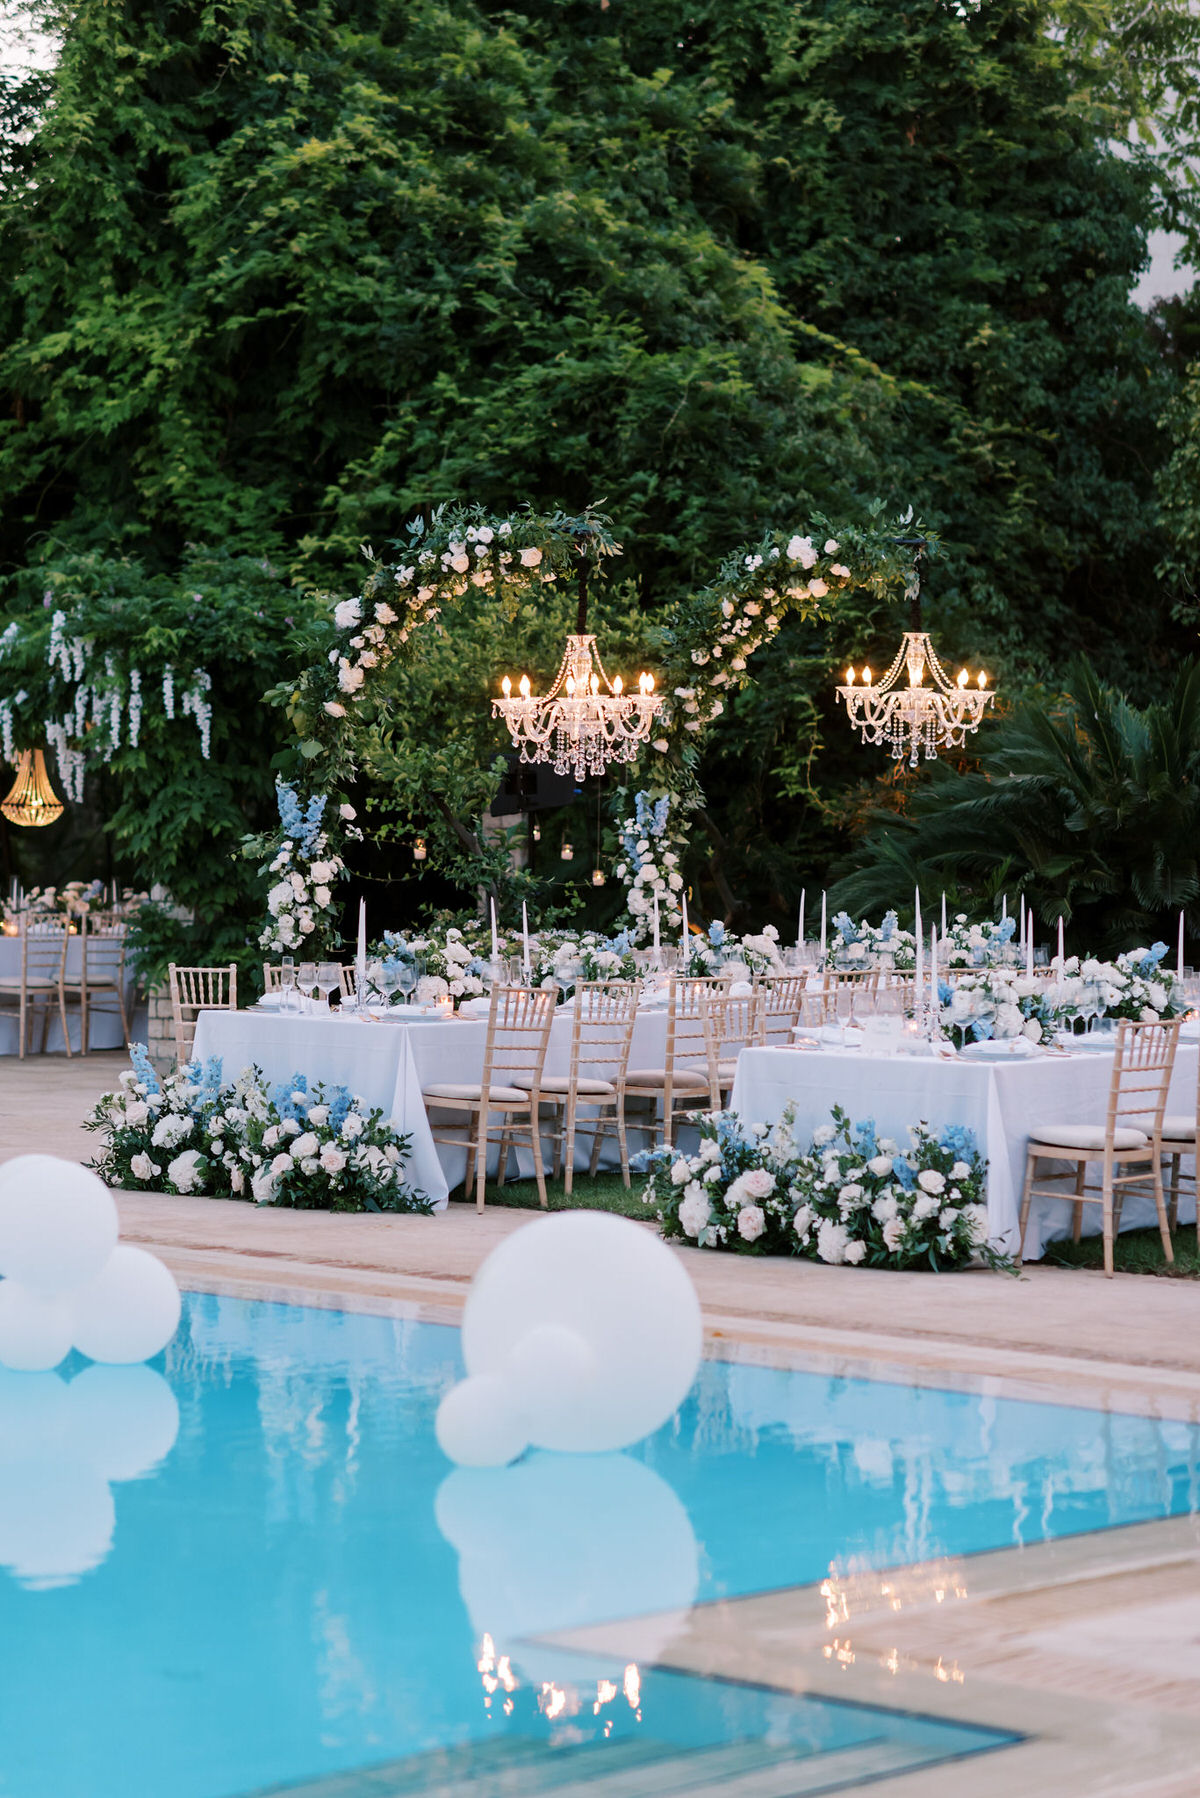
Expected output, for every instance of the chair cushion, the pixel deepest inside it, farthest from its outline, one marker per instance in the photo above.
(1179, 1129)
(727, 1070)
(11, 983)
(1088, 1136)
(686, 1079)
(560, 1083)
(451, 1089)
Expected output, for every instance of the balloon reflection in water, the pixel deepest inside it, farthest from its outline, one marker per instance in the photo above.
(558, 1542)
(61, 1444)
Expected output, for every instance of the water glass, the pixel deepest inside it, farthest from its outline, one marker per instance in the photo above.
(329, 979)
(306, 980)
(406, 979)
(287, 980)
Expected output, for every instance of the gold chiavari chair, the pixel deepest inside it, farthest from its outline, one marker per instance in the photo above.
(39, 983)
(518, 1035)
(605, 1012)
(783, 1002)
(100, 983)
(1130, 1138)
(194, 990)
(732, 1023)
(688, 1079)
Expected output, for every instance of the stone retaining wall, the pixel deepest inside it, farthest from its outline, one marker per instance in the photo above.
(160, 1027)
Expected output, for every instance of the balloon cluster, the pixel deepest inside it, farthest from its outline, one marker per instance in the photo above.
(581, 1333)
(62, 1444)
(67, 1282)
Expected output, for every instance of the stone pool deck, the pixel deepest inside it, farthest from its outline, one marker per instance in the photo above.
(1090, 1647)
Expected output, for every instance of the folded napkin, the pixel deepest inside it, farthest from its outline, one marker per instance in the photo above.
(1009, 1048)
(475, 1008)
(740, 989)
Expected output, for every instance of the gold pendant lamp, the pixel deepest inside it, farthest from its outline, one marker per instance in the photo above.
(32, 800)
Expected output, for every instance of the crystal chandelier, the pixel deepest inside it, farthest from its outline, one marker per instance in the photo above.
(916, 719)
(586, 720)
(32, 800)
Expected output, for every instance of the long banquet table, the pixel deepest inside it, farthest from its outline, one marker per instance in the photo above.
(1001, 1102)
(386, 1064)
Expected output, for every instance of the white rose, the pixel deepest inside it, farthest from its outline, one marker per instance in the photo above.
(346, 613)
(352, 1126)
(710, 1150)
(802, 1222)
(335, 711)
(332, 1158)
(694, 1214)
(893, 1234)
(142, 1168)
(681, 1173)
(825, 1133)
(881, 1165)
(137, 1113)
(831, 548)
(751, 1222)
(531, 558)
(855, 1252)
(947, 1217)
(270, 1136)
(350, 679)
(170, 1131)
(818, 588)
(931, 1180)
(832, 1242)
(322, 896)
(758, 1183)
(693, 1190)
(849, 1193)
(926, 1206)
(960, 1171)
(318, 1115)
(347, 813)
(282, 1164)
(305, 1145)
(184, 1171)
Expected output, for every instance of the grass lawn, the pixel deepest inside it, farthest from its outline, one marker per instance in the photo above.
(605, 1193)
(1135, 1252)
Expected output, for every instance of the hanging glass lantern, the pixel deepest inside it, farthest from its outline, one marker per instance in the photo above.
(32, 800)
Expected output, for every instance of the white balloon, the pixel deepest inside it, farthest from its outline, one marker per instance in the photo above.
(58, 1223)
(549, 1371)
(35, 1328)
(122, 1420)
(621, 1290)
(130, 1311)
(56, 1522)
(559, 1541)
(479, 1426)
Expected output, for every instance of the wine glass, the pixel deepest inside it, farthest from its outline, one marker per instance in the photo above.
(329, 978)
(389, 974)
(287, 980)
(406, 979)
(306, 980)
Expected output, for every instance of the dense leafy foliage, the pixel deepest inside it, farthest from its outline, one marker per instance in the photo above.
(275, 275)
(1090, 806)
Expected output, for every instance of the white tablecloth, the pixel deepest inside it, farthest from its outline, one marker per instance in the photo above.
(387, 1064)
(104, 1023)
(1000, 1102)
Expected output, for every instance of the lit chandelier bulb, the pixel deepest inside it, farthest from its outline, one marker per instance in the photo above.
(570, 686)
(963, 677)
(506, 686)
(982, 679)
(524, 686)
(849, 677)
(866, 677)
(618, 686)
(595, 683)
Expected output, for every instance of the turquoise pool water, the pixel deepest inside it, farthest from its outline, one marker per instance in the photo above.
(304, 1586)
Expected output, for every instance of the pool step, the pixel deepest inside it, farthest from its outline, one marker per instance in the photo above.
(634, 1768)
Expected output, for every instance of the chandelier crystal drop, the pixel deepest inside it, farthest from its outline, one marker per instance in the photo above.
(585, 721)
(32, 801)
(920, 716)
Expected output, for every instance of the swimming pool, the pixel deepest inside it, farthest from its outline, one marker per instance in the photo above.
(305, 1587)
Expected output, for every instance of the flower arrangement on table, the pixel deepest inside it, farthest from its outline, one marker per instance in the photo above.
(192, 1132)
(448, 963)
(1136, 985)
(986, 945)
(302, 867)
(996, 1004)
(852, 1198)
(720, 948)
(866, 945)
